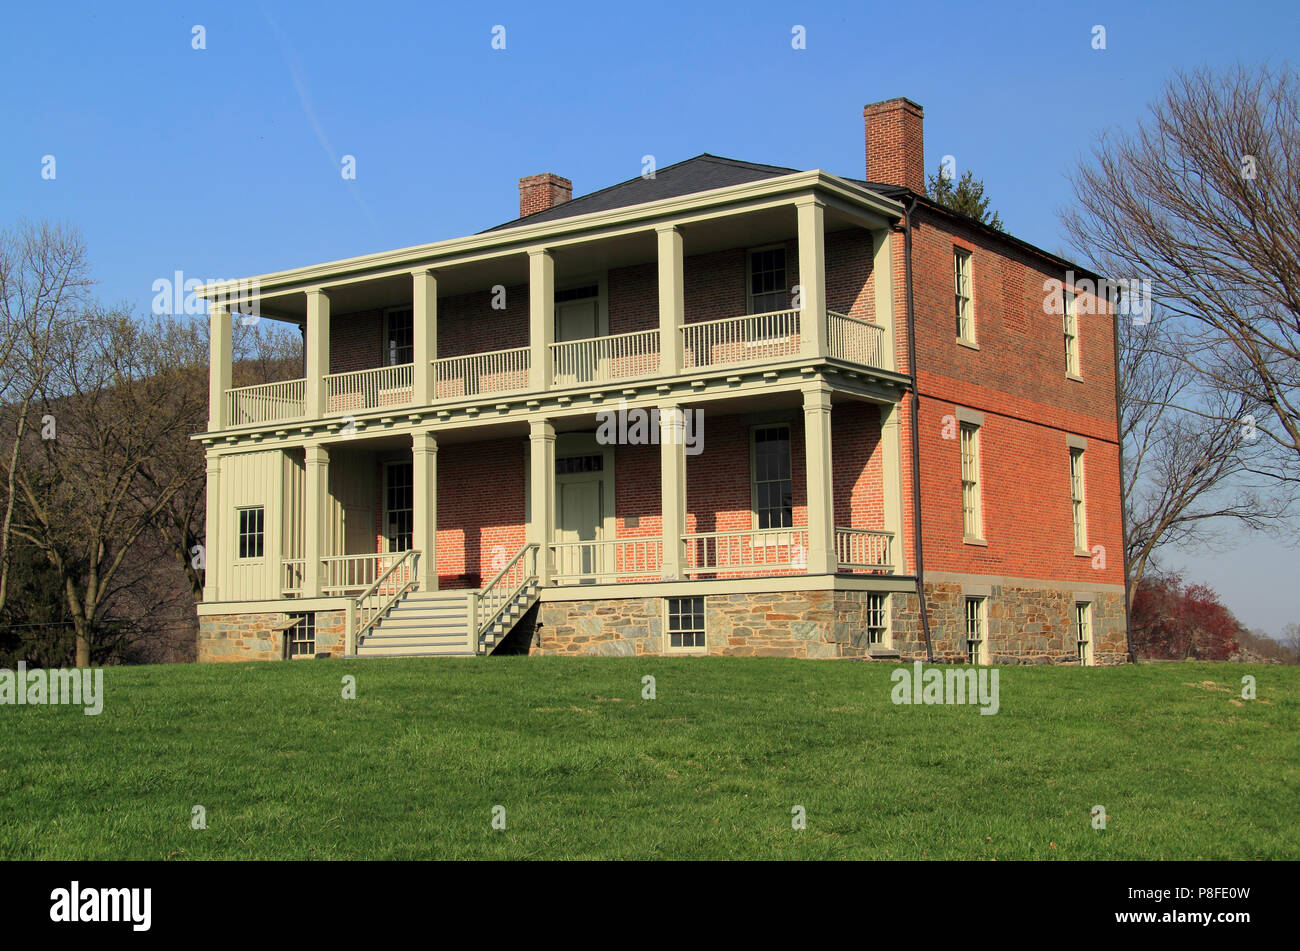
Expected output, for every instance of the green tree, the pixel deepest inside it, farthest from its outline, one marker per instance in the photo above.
(966, 196)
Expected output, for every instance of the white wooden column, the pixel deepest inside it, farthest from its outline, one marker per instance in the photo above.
(812, 276)
(541, 318)
(424, 488)
(214, 546)
(218, 365)
(318, 351)
(424, 334)
(821, 494)
(541, 487)
(882, 270)
(315, 513)
(672, 299)
(891, 450)
(672, 489)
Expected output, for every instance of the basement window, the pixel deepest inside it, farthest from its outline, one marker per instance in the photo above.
(1083, 626)
(685, 623)
(977, 630)
(300, 636)
(877, 619)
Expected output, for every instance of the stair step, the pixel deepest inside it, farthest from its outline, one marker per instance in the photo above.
(416, 652)
(382, 637)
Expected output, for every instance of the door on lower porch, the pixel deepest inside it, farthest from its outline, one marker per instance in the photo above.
(578, 527)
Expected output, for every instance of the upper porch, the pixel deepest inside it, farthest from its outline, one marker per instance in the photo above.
(794, 271)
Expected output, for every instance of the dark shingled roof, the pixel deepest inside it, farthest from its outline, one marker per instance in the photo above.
(702, 173)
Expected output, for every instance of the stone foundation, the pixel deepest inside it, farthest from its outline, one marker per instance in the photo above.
(236, 637)
(1026, 625)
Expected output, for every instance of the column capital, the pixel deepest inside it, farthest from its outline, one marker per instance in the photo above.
(541, 429)
(805, 201)
(537, 252)
(424, 441)
(668, 229)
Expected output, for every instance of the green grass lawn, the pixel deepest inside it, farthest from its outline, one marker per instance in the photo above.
(711, 769)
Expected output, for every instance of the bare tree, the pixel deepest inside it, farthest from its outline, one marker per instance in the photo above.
(44, 282)
(1203, 201)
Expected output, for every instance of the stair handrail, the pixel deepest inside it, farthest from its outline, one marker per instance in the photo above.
(487, 595)
(368, 607)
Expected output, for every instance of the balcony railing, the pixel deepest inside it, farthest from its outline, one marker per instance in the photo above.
(861, 548)
(498, 371)
(601, 359)
(369, 389)
(341, 574)
(710, 552)
(736, 340)
(856, 341)
(265, 403)
(614, 559)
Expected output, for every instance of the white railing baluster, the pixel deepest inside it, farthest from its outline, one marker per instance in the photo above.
(498, 371)
(751, 338)
(265, 403)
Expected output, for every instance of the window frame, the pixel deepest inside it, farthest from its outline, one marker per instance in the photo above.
(754, 480)
(389, 510)
(1070, 333)
(699, 635)
(1078, 501)
(244, 536)
(981, 619)
(1083, 630)
(389, 314)
(883, 613)
(973, 483)
(304, 620)
(749, 279)
(963, 272)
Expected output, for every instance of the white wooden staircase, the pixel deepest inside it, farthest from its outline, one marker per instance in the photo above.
(406, 622)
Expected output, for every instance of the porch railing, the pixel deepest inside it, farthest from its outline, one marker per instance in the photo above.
(266, 402)
(708, 552)
(499, 371)
(605, 560)
(341, 574)
(373, 603)
(293, 573)
(600, 359)
(856, 341)
(369, 389)
(735, 340)
(507, 585)
(863, 548)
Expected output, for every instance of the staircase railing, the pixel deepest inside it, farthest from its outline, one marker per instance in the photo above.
(367, 608)
(490, 603)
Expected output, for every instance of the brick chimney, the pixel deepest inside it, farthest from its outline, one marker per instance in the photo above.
(539, 192)
(895, 143)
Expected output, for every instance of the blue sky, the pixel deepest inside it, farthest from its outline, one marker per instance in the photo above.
(224, 162)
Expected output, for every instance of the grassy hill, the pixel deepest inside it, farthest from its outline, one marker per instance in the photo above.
(285, 768)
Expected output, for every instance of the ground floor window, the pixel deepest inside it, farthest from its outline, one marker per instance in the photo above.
(1083, 624)
(398, 506)
(976, 630)
(301, 635)
(685, 623)
(252, 523)
(877, 619)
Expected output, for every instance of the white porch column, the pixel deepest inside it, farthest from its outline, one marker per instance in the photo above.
(882, 271)
(424, 336)
(315, 513)
(541, 487)
(821, 496)
(424, 486)
(214, 546)
(541, 318)
(672, 299)
(672, 489)
(218, 365)
(812, 276)
(318, 351)
(891, 449)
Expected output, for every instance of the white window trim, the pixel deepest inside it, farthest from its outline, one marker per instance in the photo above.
(667, 614)
(251, 560)
(964, 254)
(1070, 332)
(768, 536)
(983, 617)
(1079, 527)
(977, 430)
(887, 634)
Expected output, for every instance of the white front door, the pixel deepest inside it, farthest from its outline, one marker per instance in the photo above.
(579, 521)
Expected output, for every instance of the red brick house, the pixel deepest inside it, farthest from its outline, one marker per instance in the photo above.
(728, 409)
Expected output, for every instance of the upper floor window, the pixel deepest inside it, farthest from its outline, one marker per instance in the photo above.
(1077, 512)
(962, 295)
(772, 484)
(399, 338)
(971, 522)
(252, 522)
(1070, 325)
(768, 288)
